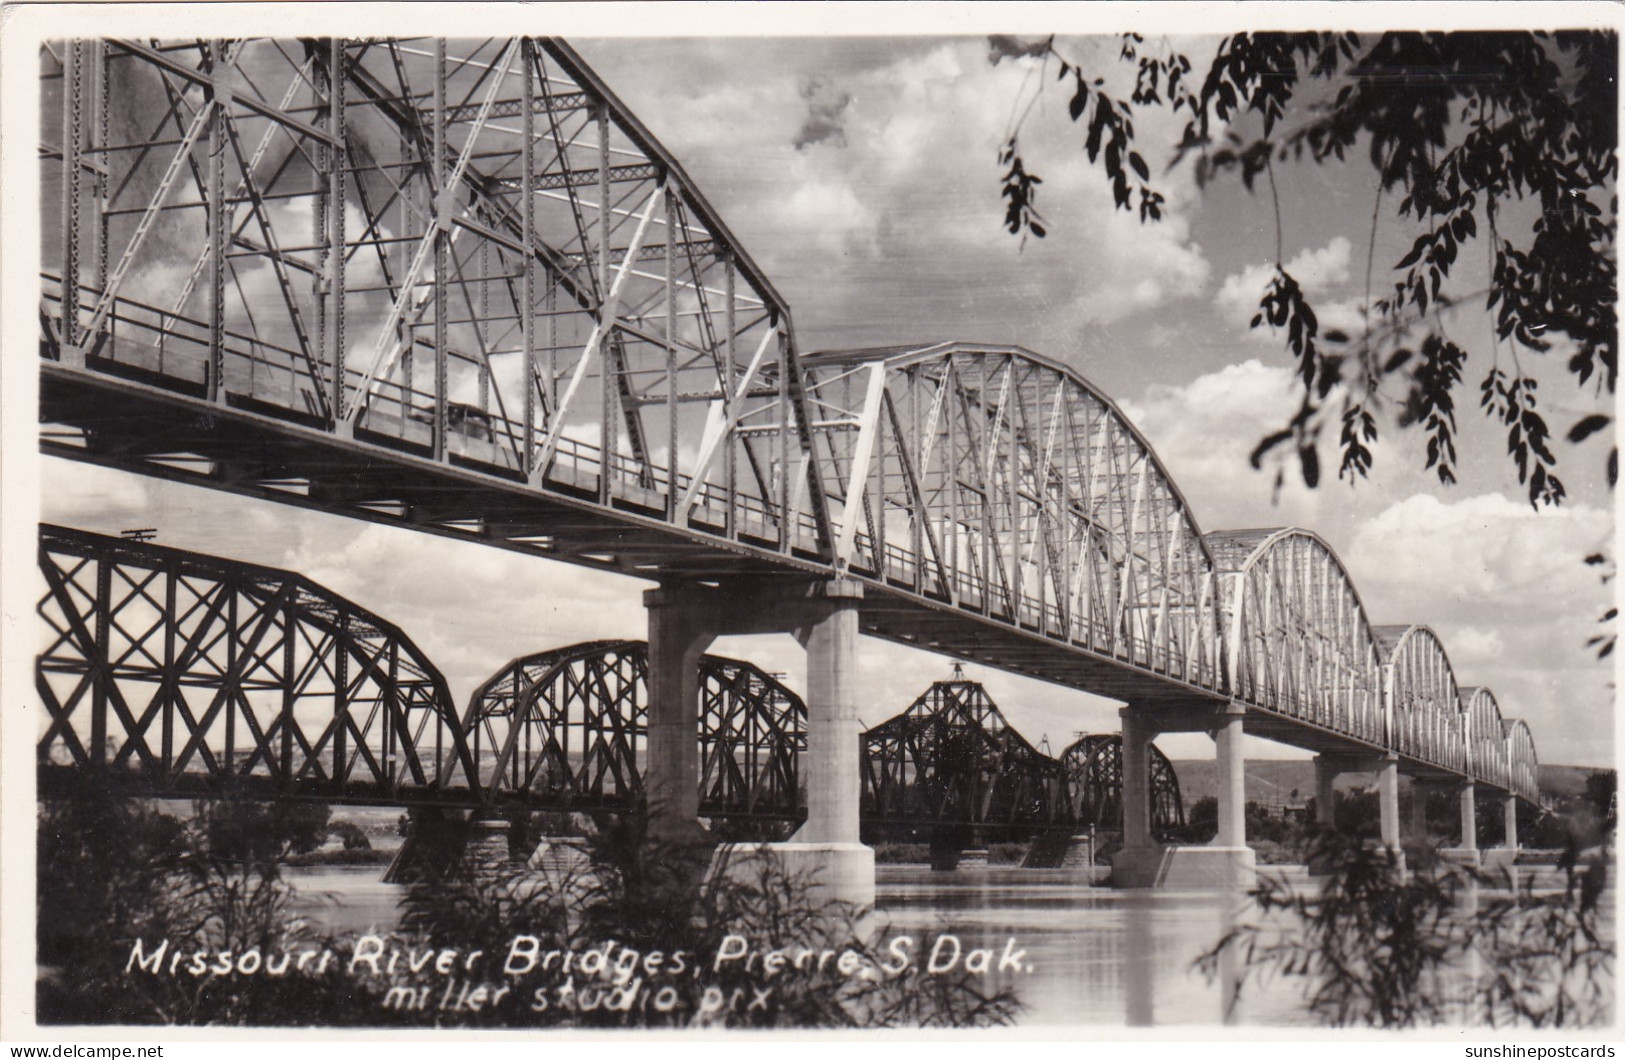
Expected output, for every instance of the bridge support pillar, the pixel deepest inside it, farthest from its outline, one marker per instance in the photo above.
(823, 616)
(828, 842)
(1469, 817)
(1466, 849)
(1388, 805)
(1506, 855)
(678, 636)
(1138, 732)
(1416, 823)
(1325, 791)
(1232, 784)
(1225, 864)
(1139, 862)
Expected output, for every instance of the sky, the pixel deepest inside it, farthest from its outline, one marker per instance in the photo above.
(862, 176)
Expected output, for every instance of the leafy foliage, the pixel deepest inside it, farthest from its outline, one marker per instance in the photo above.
(1380, 948)
(650, 895)
(113, 871)
(1462, 128)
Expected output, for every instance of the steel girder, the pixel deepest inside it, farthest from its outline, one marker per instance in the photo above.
(464, 250)
(1093, 770)
(168, 673)
(951, 758)
(567, 730)
(1002, 484)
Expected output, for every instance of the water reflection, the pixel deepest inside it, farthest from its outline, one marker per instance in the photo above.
(1092, 955)
(1098, 956)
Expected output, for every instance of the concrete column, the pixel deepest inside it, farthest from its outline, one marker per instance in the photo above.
(1137, 735)
(1509, 810)
(671, 776)
(1388, 801)
(1325, 793)
(1416, 824)
(1469, 817)
(830, 767)
(1232, 785)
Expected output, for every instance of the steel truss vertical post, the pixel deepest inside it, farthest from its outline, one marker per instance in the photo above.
(608, 362)
(72, 133)
(442, 239)
(335, 234)
(729, 455)
(101, 663)
(218, 99)
(99, 145)
(527, 208)
(671, 356)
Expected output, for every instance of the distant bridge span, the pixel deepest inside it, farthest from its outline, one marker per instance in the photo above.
(459, 287)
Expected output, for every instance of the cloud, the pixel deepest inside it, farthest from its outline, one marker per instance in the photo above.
(1001, 47)
(1506, 589)
(1317, 271)
(825, 107)
(885, 224)
(1503, 584)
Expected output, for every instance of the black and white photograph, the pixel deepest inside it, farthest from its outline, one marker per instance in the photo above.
(1089, 520)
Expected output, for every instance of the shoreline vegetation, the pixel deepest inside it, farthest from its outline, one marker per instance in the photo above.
(217, 879)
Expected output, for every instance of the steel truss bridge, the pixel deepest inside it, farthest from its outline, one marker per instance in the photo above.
(457, 286)
(952, 758)
(170, 674)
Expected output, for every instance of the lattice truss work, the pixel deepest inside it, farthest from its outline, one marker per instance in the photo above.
(1425, 710)
(168, 673)
(1004, 484)
(468, 250)
(471, 252)
(567, 729)
(1522, 764)
(1488, 757)
(952, 758)
(1299, 640)
(1093, 770)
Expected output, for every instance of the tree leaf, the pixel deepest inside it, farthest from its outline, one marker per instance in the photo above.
(1587, 427)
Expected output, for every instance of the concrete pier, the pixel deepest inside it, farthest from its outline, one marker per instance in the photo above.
(684, 620)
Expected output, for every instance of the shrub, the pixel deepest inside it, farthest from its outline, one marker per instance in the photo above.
(1379, 948)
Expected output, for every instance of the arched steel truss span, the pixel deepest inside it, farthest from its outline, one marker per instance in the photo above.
(996, 481)
(1523, 764)
(1299, 640)
(168, 673)
(567, 729)
(1426, 720)
(951, 758)
(458, 286)
(1093, 770)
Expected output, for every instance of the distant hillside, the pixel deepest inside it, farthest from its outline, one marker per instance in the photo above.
(1273, 782)
(1565, 780)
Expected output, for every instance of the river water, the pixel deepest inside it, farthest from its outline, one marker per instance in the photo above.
(1091, 955)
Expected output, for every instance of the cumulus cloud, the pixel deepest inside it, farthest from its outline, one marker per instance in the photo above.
(898, 234)
(1503, 584)
(1507, 591)
(1317, 270)
(825, 107)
